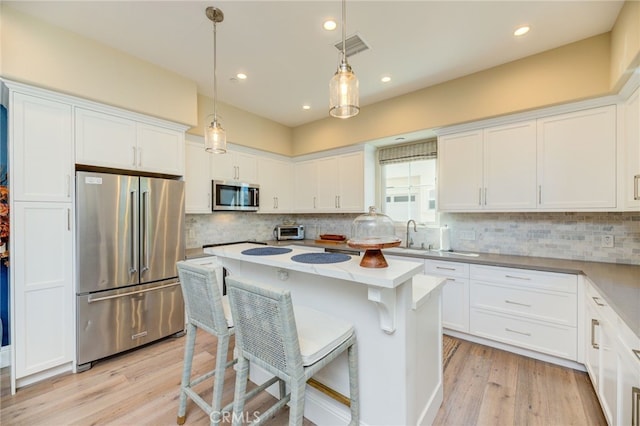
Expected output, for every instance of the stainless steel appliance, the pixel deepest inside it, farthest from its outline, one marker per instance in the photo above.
(130, 234)
(232, 195)
(288, 232)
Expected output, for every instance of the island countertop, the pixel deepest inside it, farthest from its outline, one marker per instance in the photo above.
(396, 273)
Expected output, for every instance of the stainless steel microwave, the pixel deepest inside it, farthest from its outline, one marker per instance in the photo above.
(231, 195)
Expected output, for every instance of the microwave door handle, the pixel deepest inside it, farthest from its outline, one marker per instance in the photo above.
(134, 232)
(255, 198)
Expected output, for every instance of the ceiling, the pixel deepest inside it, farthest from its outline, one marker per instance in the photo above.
(289, 58)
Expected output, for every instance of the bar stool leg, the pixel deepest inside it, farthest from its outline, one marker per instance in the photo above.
(354, 392)
(296, 405)
(242, 375)
(186, 372)
(218, 380)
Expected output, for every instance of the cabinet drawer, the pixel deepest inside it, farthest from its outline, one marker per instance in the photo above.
(447, 269)
(557, 340)
(524, 277)
(540, 305)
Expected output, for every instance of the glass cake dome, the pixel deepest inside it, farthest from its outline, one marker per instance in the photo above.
(373, 231)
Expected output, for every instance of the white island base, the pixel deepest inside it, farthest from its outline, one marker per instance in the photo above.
(396, 312)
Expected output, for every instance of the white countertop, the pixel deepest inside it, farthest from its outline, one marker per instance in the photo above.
(392, 276)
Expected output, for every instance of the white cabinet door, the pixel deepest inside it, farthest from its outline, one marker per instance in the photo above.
(628, 387)
(197, 183)
(160, 150)
(460, 171)
(276, 185)
(105, 140)
(42, 286)
(305, 186)
(631, 150)
(577, 160)
(237, 166)
(42, 143)
(608, 371)
(510, 167)
(351, 180)
(592, 341)
(328, 184)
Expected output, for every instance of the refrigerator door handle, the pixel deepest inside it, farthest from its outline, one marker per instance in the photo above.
(116, 296)
(145, 232)
(134, 232)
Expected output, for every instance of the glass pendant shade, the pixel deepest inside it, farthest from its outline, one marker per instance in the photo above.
(215, 138)
(344, 93)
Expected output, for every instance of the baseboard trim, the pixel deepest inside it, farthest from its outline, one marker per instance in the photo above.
(516, 350)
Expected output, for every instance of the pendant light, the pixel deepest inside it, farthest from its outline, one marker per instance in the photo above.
(215, 138)
(343, 88)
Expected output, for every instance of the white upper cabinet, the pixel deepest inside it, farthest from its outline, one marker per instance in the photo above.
(509, 172)
(42, 144)
(631, 153)
(577, 160)
(305, 186)
(197, 181)
(341, 183)
(276, 185)
(564, 162)
(114, 141)
(490, 169)
(235, 165)
(460, 171)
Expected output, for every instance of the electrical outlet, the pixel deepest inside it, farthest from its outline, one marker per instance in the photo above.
(191, 234)
(607, 241)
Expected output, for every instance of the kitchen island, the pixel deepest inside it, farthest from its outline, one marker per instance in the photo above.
(396, 312)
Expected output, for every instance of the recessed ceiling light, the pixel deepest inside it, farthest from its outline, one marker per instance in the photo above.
(385, 79)
(520, 31)
(241, 76)
(306, 107)
(329, 25)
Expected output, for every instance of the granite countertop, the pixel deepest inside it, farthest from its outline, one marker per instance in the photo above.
(619, 284)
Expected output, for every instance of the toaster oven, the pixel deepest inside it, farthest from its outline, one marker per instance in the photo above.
(288, 232)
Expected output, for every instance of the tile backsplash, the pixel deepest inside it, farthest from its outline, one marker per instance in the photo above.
(558, 235)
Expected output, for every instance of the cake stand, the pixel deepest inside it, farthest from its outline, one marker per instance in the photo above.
(373, 257)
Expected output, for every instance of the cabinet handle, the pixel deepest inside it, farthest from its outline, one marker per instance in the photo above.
(637, 353)
(479, 196)
(139, 156)
(208, 200)
(517, 332)
(135, 158)
(68, 219)
(68, 186)
(635, 406)
(517, 278)
(594, 323)
(314, 202)
(517, 303)
(636, 193)
(339, 206)
(539, 194)
(595, 299)
(485, 196)
(445, 268)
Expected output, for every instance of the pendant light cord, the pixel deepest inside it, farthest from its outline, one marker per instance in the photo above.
(344, 32)
(215, 80)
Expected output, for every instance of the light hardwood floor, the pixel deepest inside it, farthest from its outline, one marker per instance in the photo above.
(482, 386)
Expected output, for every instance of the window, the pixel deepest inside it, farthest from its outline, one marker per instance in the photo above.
(409, 182)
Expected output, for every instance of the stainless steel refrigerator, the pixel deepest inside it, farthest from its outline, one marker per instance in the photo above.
(130, 234)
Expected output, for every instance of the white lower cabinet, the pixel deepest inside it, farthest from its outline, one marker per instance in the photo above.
(42, 288)
(531, 309)
(612, 361)
(455, 293)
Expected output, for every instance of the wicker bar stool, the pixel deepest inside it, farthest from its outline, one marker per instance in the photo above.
(291, 346)
(209, 311)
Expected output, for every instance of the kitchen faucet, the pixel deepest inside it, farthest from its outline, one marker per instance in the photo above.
(410, 242)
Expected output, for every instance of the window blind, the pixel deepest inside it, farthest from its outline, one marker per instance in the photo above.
(422, 150)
